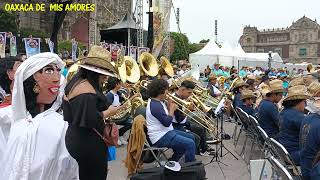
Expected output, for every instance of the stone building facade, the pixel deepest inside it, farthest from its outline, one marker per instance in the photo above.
(295, 44)
(78, 24)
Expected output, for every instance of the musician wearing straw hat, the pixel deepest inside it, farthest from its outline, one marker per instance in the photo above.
(247, 97)
(181, 122)
(212, 86)
(314, 90)
(310, 139)
(216, 70)
(85, 108)
(236, 87)
(290, 119)
(268, 112)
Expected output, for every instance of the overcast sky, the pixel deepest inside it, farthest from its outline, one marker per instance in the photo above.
(197, 16)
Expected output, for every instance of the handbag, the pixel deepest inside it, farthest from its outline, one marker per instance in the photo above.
(110, 134)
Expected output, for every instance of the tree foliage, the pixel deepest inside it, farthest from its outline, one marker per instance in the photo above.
(8, 22)
(204, 41)
(181, 46)
(68, 46)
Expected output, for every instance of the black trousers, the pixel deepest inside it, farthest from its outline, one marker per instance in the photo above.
(89, 150)
(126, 122)
(201, 133)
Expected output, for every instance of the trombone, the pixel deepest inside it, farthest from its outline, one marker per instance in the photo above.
(203, 120)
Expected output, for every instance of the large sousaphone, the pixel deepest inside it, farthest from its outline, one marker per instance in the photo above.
(148, 64)
(128, 69)
(166, 67)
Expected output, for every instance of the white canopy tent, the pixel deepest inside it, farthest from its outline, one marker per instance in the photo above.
(208, 55)
(227, 56)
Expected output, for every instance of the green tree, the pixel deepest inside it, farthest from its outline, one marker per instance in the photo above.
(194, 47)
(68, 46)
(8, 22)
(181, 47)
(204, 41)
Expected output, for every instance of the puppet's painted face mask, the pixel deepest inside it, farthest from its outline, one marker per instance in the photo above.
(48, 84)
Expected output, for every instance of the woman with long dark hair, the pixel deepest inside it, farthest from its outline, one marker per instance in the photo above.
(85, 108)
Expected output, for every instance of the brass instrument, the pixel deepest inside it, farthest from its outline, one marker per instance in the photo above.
(128, 69)
(72, 71)
(201, 105)
(166, 67)
(125, 111)
(203, 121)
(148, 64)
(201, 92)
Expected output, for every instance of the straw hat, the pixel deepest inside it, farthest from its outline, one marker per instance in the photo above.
(99, 61)
(275, 86)
(246, 93)
(308, 79)
(296, 93)
(314, 88)
(212, 77)
(68, 62)
(251, 76)
(238, 82)
(296, 81)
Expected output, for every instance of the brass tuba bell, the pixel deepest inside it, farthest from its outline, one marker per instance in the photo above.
(148, 64)
(128, 69)
(166, 67)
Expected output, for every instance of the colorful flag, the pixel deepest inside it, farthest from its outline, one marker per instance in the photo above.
(32, 46)
(114, 48)
(3, 38)
(51, 46)
(161, 22)
(13, 46)
(133, 52)
(142, 50)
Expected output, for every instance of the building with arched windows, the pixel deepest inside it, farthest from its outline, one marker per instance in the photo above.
(295, 44)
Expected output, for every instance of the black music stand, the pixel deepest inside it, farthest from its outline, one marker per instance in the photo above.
(217, 158)
(220, 117)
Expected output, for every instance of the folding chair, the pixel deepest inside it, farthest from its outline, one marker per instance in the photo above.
(280, 152)
(244, 123)
(256, 140)
(234, 134)
(247, 128)
(156, 153)
(264, 139)
(278, 170)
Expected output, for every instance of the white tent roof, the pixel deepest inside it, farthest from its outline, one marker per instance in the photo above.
(264, 56)
(226, 49)
(211, 48)
(238, 51)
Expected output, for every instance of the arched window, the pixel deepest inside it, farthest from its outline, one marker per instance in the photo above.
(248, 40)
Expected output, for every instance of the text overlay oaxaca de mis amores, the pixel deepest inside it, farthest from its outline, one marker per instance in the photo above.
(41, 7)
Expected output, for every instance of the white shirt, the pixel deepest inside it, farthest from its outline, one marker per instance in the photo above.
(5, 125)
(155, 128)
(179, 73)
(116, 99)
(257, 72)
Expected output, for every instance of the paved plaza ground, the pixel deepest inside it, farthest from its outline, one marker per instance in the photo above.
(236, 169)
